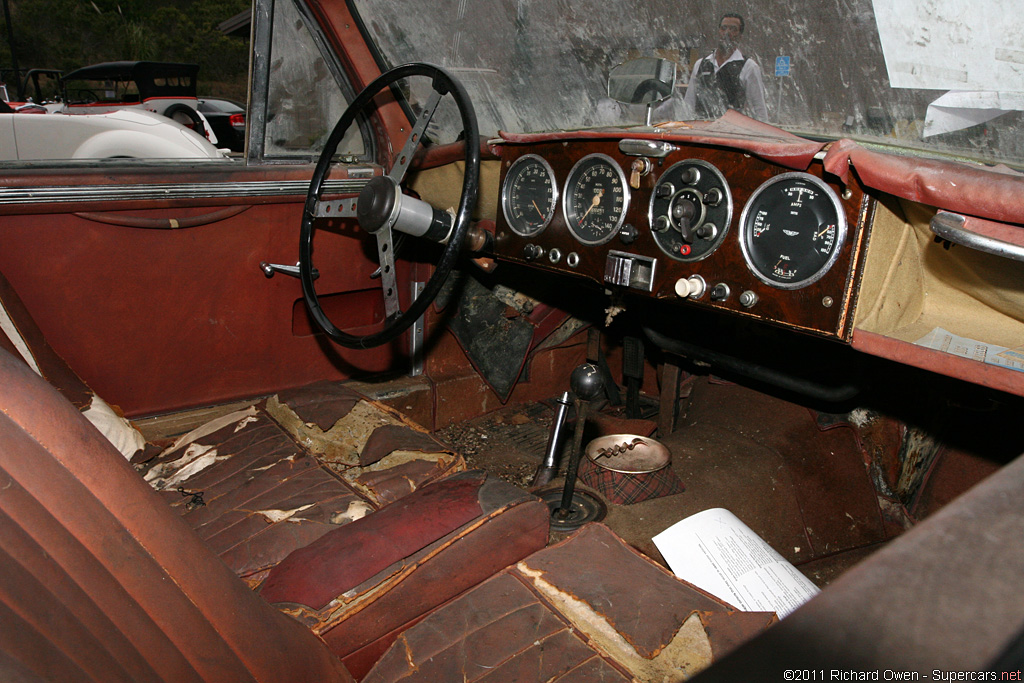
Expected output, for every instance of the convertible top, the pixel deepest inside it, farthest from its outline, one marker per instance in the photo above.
(145, 75)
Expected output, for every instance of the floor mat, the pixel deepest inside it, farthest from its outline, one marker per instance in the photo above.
(805, 490)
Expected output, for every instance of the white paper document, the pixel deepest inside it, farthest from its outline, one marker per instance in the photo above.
(951, 44)
(944, 340)
(718, 553)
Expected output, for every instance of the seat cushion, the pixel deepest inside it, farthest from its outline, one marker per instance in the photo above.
(588, 609)
(255, 491)
(415, 554)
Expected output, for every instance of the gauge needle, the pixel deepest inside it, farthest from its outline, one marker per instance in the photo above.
(827, 228)
(595, 202)
(534, 202)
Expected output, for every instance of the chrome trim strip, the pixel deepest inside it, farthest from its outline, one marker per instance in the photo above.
(164, 191)
(950, 226)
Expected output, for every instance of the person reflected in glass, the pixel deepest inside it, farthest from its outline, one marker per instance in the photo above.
(725, 79)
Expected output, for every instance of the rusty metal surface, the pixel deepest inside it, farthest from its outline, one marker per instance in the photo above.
(107, 582)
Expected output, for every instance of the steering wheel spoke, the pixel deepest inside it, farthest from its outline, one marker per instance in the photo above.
(386, 258)
(338, 208)
(415, 137)
(382, 208)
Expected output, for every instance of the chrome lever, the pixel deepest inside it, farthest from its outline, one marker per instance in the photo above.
(270, 268)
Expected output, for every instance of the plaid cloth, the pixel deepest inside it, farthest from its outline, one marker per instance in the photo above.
(625, 489)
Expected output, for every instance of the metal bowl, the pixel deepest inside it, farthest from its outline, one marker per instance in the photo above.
(628, 453)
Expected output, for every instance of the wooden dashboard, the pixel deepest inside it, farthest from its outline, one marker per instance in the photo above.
(698, 225)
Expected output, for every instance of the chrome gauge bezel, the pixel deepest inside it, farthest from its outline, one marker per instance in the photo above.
(506, 207)
(567, 196)
(724, 206)
(745, 229)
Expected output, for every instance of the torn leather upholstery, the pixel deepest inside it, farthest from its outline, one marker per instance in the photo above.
(587, 609)
(414, 555)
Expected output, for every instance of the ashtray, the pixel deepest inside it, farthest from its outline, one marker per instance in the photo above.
(628, 453)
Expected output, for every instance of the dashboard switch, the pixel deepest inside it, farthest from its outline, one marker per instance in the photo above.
(532, 252)
(630, 270)
(748, 299)
(628, 234)
(720, 292)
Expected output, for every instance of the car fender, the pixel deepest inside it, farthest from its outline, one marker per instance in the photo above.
(177, 144)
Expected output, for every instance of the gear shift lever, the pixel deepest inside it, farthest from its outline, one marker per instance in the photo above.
(573, 508)
(586, 385)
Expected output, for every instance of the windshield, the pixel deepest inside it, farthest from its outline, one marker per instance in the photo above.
(941, 76)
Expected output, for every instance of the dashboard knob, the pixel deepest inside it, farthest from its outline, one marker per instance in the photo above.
(748, 299)
(532, 252)
(713, 197)
(665, 190)
(692, 287)
(720, 292)
(708, 231)
(661, 224)
(690, 176)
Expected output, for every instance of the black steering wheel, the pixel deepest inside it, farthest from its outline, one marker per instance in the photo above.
(382, 207)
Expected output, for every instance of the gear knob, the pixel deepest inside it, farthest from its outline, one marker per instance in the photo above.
(586, 382)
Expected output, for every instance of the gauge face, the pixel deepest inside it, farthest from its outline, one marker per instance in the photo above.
(595, 199)
(529, 195)
(690, 211)
(792, 230)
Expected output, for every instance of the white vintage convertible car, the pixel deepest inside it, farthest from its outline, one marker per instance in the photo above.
(504, 298)
(118, 134)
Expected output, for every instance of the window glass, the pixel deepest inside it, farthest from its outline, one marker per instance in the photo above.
(942, 76)
(304, 101)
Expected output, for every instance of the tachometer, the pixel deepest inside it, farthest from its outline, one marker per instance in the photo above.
(529, 195)
(792, 230)
(595, 199)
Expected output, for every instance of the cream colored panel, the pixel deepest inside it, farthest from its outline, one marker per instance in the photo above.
(442, 187)
(913, 284)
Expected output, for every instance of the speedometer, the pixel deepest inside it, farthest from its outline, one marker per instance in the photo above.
(792, 230)
(595, 199)
(529, 195)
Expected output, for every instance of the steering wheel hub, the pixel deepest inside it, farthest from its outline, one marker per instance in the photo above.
(378, 204)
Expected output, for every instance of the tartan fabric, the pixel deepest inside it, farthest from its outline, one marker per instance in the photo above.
(625, 489)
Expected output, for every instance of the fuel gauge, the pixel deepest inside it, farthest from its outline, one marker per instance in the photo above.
(792, 230)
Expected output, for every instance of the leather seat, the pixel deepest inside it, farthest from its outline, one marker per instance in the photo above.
(100, 581)
(262, 483)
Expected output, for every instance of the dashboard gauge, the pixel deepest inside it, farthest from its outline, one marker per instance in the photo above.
(595, 199)
(792, 230)
(529, 195)
(690, 211)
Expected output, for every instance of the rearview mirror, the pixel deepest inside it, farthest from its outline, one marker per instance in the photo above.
(647, 80)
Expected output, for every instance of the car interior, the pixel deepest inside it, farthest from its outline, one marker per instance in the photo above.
(400, 394)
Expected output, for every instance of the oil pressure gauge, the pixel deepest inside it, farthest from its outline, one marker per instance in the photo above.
(792, 230)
